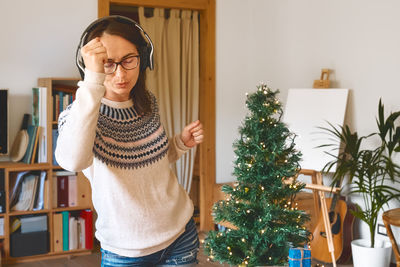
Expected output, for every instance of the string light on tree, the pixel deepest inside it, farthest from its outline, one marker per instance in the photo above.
(258, 203)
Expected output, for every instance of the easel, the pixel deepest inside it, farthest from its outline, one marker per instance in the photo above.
(318, 190)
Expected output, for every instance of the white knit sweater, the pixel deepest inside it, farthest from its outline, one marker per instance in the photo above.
(141, 207)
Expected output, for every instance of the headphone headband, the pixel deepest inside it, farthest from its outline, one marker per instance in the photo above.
(148, 51)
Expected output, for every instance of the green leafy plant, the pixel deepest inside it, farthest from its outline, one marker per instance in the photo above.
(372, 173)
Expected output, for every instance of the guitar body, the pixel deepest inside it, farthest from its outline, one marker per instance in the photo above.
(341, 221)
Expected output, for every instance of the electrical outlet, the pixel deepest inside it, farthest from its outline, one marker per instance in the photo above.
(382, 229)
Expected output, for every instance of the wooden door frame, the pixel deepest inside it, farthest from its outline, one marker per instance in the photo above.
(206, 10)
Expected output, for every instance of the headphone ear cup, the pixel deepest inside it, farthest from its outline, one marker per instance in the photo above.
(144, 57)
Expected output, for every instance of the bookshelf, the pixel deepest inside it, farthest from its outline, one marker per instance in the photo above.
(8, 176)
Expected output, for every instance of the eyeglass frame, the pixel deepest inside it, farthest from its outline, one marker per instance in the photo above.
(120, 63)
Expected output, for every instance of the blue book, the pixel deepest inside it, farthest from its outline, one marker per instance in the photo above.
(65, 227)
(54, 137)
(61, 107)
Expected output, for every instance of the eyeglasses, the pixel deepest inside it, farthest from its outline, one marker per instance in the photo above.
(128, 63)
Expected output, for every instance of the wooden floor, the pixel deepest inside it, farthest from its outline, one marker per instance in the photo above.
(93, 260)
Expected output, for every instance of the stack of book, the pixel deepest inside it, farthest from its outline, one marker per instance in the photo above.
(65, 189)
(62, 97)
(73, 230)
(28, 191)
(31, 154)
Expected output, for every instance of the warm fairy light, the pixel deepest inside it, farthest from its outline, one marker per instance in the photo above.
(248, 211)
(243, 240)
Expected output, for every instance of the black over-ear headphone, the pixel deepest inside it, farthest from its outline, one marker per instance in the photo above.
(146, 53)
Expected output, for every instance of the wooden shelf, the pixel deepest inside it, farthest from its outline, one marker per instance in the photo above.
(28, 212)
(71, 208)
(19, 166)
(11, 170)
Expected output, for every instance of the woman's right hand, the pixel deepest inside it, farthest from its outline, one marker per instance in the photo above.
(94, 55)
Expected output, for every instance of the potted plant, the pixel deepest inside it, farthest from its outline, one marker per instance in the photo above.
(372, 174)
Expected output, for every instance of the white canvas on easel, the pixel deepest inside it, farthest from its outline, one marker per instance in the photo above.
(308, 109)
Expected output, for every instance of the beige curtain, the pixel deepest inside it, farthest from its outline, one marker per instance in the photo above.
(175, 78)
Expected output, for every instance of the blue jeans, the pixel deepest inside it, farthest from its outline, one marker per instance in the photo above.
(182, 252)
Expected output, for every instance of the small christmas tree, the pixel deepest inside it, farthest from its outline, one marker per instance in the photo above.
(260, 205)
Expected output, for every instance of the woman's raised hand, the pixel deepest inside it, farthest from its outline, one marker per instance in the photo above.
(193, 134)
(94, 55)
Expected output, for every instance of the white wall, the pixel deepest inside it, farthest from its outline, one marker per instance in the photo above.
(287, 42)
(38, 39)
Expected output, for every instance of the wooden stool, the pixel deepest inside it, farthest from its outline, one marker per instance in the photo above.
(392, 217)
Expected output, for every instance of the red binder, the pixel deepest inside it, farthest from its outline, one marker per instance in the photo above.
(62, 191)
(87, 215)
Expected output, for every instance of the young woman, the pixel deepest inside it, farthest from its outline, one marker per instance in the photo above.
(112, 132)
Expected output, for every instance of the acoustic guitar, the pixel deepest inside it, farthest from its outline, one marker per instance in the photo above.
(341, 222)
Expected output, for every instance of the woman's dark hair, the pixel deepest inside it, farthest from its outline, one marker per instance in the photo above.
(139, 95)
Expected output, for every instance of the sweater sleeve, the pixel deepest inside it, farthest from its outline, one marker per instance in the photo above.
(176, 148)
(77, 124)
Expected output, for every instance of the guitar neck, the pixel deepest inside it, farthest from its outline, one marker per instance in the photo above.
(335, 197)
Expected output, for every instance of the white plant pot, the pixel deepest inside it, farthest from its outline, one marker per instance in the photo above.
(365, 256)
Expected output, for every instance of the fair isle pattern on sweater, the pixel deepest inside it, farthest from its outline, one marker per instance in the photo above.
(125, 139)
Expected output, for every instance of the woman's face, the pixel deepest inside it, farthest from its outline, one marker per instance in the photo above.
(120, 83)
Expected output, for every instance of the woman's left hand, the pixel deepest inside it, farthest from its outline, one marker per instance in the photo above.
(192, 134)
